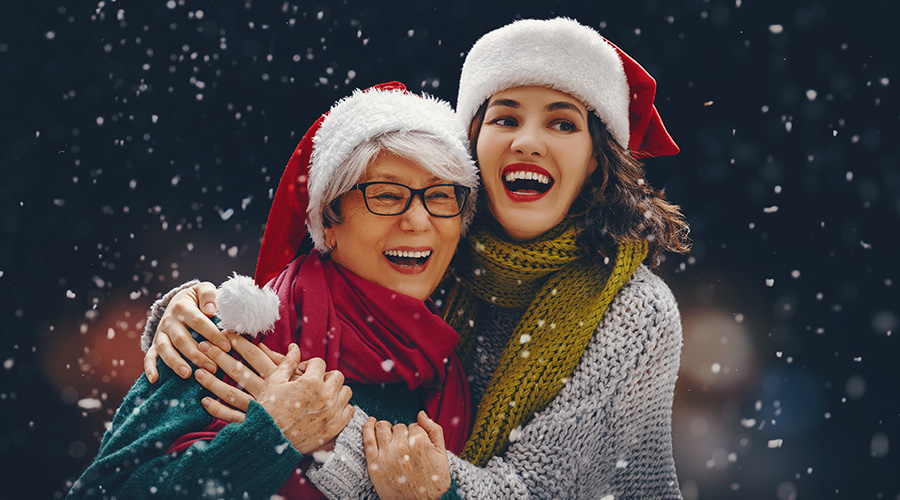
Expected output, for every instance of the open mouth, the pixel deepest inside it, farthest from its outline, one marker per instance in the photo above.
(405, 258)
(527, 180)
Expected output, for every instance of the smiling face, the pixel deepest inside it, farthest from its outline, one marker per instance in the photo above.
(407, 253)
(535, 153)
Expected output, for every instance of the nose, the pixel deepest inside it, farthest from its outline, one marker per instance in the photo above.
(415, 218)
(529, 141)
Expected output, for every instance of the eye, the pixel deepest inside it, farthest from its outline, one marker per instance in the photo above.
(386, 196)
(504, 121)
(386, 192)
(564, 126)
(435, 194)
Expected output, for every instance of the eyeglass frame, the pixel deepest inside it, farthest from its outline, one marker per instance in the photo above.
(413, 193)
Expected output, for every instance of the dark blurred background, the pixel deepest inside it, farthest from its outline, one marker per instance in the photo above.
(140, 144)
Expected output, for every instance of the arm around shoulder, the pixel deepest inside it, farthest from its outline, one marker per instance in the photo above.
(133, 462)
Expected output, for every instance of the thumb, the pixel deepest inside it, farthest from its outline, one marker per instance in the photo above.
(287, 365)
(435, 432)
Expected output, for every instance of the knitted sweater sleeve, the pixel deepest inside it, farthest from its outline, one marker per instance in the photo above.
(248, 460)
(608, 432)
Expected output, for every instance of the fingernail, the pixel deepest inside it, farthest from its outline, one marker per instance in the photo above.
(184, 371)
(224, 345)
(205, 401)
(211, 368)
(209, 308)
(200, 374)
(204, 346)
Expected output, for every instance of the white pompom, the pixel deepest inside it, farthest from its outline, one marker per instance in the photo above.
(245, 308)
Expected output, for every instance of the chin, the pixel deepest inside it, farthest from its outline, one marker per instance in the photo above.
(526, 223)
(414, 291)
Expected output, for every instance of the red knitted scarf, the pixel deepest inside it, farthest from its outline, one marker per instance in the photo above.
(373, 335)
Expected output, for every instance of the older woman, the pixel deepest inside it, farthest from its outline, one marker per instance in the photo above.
(570, 342)
(389, 183)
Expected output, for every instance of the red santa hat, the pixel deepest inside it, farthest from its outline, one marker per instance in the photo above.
(301, 196)
(570, 57)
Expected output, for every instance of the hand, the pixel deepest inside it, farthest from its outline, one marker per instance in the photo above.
(309, 405)
(261, 359)
(407, 462)
(173, 340)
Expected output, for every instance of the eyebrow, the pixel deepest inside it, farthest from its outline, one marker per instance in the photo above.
(381, 177)
(553, 106)
(508, 103)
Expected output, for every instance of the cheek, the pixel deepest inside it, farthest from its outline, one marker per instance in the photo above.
(450, 231)
(487, 150)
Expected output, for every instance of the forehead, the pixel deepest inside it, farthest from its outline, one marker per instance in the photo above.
(390, 167)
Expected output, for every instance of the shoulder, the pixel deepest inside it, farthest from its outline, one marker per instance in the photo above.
(647, 289)
(642, 317)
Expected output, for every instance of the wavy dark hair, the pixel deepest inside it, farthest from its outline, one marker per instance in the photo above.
(616, 204)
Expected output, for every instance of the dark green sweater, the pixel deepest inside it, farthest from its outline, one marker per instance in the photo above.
(246, 461)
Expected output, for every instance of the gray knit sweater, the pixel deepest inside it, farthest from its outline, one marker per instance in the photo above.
(607, 435)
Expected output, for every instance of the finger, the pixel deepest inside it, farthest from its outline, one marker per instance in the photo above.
(185, 311)
(418, 437)
(288, 364)
(171, 357)
(334, 380)
(241, 374)
(184, 342)
(369, 442)
(252, 354)
(150, 364)
(219, 410)
(383, 433)
(227, 393)
(276, 357)
(401, 434)
(315, 367)
(206, 298)
(435, 431)
(347, 414)
(344, 395)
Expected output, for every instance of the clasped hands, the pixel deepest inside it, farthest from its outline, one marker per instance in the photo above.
(309, 405)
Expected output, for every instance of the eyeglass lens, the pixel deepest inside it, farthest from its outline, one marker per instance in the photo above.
(384, 198)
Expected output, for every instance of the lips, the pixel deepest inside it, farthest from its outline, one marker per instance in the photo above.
(526, 182)
(410, 259)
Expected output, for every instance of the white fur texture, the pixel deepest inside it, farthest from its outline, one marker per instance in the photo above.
(245, 308)
(557, 53)
(363, 115)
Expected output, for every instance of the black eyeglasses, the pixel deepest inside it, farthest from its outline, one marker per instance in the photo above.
(391, 198)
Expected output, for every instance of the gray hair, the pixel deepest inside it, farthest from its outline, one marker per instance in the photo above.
(421, 148)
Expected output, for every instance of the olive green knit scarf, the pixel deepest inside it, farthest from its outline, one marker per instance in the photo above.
(566, 293)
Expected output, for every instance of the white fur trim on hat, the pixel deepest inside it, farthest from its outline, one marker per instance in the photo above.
(245, 308)
(557, 53)
(366, 114)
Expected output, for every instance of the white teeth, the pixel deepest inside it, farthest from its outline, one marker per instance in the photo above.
(529, 176)
(420, 254)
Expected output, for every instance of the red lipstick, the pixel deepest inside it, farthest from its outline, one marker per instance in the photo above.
(524, 167)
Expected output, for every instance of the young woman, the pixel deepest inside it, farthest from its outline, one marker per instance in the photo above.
(389, 184)
(570, 343)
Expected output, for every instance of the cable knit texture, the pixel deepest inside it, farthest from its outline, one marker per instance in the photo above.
(607, 432)
(566, 293)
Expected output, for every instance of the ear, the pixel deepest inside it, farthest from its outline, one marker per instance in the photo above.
(330, 238)
(592, 165)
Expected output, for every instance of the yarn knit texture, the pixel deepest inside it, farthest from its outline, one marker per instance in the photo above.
(566, 294)
(607, 432)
